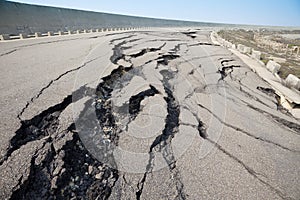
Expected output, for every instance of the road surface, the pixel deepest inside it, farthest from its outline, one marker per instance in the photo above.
(146, 114)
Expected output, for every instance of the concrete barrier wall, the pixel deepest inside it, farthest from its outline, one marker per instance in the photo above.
(256, 54)
(273, 66)
(16, 18)
(292, 81)
(243, 49)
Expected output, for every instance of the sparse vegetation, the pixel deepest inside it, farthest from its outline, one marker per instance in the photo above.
(264, 58)
(289, 68)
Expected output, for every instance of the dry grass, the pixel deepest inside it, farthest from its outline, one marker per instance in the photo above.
(289, 68)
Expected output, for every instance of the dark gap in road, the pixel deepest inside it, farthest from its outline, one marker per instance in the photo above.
(164, 59)
(163, 141)
(38, 127)
(192, 72)
(165, 40)
(223, 61)
(119, 33)
(120, 38)
(116, 81)
(46, 123)
(271, 92)
(252, 96)
(99, 183)
(117, 53)
(118, 49)
(38, 183)
(130, 41)
(72, 179)
(103, 107)
(176, 47)
(171, 55)
(9, 52)
(173, 109)
(172, 122)
(276, 97)
(141, 183)
(135, 101)
(144, 51)
(43, 124)
(133, 40)
(74, 182)
(104, 175)
(171, 128)
(267, 91)
(226, 70)
(203, 44)
(202, 129)
(73, 150)
(108, 129)
(190, 34)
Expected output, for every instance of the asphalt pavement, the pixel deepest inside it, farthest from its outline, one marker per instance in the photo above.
(144, 114)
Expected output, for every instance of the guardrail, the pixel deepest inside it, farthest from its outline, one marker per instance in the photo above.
(59, 33)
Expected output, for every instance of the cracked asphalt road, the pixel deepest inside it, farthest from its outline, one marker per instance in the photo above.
(148, 114)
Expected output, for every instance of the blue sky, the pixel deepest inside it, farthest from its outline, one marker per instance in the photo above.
(260, 12)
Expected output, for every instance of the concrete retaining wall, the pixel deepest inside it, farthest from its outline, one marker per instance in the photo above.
(247, 49)
(16, 18)
(240, 48)
(256, 54)
(273, 66)
(243, 49)
(292, 81)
